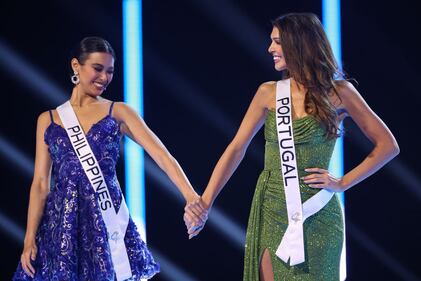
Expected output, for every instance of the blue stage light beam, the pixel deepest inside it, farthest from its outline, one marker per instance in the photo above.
(331, 15)
(133, 96)
(16, 67)
(15, 157)
(332, 25)
(12, 230)
(169, 270)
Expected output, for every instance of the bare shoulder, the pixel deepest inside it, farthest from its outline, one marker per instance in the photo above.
(122, 111)
(265, 94)
(353, 102)
(345, 89)
(44, 118)
(43, 121)
(267, 88)
(122, 107)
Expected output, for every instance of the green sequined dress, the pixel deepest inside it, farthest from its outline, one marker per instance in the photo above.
(323, 232)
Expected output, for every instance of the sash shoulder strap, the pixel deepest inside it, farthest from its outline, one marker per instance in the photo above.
(110, 112)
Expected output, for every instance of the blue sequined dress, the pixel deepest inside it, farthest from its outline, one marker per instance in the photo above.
(71, 237)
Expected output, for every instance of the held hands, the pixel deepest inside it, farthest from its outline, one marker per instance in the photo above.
(195, 216)
(321, 178)
(29, 253)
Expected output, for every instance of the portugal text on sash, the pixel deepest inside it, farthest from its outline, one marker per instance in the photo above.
(286, 141)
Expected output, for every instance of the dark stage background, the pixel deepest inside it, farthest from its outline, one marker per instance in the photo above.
(204, 57)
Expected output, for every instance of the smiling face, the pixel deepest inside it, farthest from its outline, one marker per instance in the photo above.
(275, 49)
(95, 73)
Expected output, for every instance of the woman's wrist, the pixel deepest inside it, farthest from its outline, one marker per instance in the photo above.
(207, 200)
(191, 196)
(29, 238)
(343, 184)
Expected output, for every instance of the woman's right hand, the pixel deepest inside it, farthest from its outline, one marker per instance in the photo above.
(29, 253)
(195, 216)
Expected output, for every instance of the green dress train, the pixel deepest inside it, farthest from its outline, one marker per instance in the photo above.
(323, 232)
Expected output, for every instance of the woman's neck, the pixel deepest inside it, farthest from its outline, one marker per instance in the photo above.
(81, 99)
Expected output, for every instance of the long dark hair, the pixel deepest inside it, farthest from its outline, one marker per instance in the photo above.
(90, 45)
(311, 63)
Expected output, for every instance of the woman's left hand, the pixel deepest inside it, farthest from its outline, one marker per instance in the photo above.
(195, 216)
(321, 178)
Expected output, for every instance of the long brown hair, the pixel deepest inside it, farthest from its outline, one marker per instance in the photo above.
(311, 63)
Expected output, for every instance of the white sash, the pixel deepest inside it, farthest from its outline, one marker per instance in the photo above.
(292, 243)
(116, 224)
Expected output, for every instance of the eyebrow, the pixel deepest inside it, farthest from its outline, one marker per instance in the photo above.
(98, 64)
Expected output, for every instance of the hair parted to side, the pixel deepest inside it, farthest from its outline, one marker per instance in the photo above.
(88, 45)
(311, 63)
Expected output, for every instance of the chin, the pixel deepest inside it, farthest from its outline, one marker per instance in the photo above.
(280, 67)
(96, 93)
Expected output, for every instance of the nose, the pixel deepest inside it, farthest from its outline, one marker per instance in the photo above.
(104, 76)
(270, 49)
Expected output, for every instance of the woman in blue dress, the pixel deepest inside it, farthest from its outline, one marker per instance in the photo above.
(66, 237)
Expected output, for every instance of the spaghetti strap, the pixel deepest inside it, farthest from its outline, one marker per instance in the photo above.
(111, 108)
(51, 116)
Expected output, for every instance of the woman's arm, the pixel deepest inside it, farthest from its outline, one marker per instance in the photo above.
(385, 145)
(234, 153)
(40, 188)
(134, 127)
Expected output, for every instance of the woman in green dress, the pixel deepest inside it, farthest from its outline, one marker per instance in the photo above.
(321, 99)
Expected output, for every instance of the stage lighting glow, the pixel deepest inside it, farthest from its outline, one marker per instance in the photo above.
(133, 96)
(331, 10)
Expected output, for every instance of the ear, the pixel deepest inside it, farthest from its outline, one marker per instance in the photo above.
(75, 64)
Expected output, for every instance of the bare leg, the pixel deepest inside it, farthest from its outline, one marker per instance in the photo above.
(266, 270)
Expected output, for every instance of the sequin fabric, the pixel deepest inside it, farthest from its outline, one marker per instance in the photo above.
(323, 232)
(72, 238)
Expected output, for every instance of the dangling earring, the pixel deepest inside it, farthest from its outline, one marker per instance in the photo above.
(75, 78)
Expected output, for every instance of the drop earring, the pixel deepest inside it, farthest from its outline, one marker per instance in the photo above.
(75, 78)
